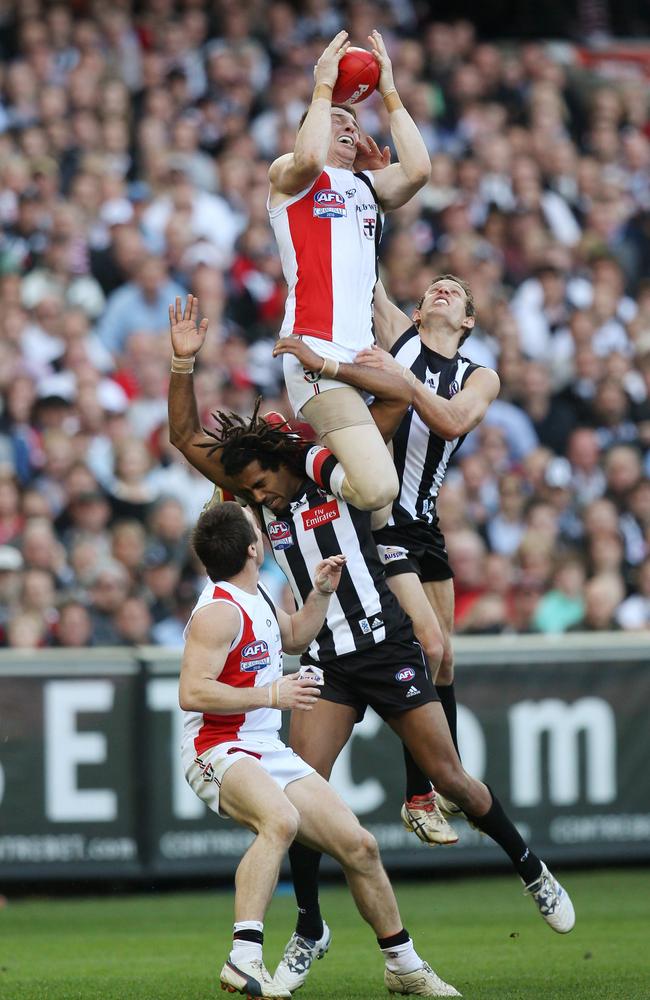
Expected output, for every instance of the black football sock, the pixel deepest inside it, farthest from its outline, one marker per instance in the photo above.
(304, 872)
(447, 695)
(502, 830)
(416, 782)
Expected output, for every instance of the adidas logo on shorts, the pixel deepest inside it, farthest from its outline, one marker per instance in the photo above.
(412, 691)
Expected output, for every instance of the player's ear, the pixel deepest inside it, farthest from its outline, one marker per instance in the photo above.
(469, 323)
(416, 317)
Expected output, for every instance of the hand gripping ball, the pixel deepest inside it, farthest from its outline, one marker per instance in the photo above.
(358, 77)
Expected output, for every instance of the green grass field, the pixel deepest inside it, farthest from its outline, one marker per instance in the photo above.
(479, 934)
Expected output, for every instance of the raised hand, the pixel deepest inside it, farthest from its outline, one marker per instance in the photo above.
(386, 81)
(187, 336)
(326, 69)
(311, 361)
(327, 575)
(370, 156)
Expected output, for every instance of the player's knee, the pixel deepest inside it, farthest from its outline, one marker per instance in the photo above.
(433, 649)
(451, 780)
(362, 850)
(282, 825)
(371, 493)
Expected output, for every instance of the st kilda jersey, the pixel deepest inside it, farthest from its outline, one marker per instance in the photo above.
(363, 611)
(328, 236)
(421, 457)
(254, 660)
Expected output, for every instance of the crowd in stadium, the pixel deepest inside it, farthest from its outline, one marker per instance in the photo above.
(134, 149)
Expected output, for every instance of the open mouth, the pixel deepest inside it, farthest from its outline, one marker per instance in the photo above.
(347, 140)
(440, 301)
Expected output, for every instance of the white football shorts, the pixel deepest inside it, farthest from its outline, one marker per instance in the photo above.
(303, 385)
(205, 773)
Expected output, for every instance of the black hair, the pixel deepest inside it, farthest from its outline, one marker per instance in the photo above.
(221, 539)
(242, 441)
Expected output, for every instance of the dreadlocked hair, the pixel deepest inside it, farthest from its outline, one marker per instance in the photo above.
(242, 441)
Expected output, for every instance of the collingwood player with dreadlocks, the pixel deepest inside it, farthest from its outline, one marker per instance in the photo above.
(451, 396)
(366, 648)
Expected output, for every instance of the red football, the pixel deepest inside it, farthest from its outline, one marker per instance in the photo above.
(358, 77)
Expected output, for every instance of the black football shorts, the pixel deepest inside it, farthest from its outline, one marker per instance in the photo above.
(417, 547)
(392, 677)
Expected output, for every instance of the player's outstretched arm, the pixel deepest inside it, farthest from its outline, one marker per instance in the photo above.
(398, 183)
(295, 171)
(185, 431)
(390, 385)
(212, 631)
(299, 629)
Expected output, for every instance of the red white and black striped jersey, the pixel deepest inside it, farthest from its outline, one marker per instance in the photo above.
(363, 612)
(421, 456)
(254, 660)
(327, 237)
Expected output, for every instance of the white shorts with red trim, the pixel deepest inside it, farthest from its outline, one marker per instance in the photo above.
(204, 772)
(303, 385)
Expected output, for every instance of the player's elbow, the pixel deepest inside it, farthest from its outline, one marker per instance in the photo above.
(190, 698)
(420, 174)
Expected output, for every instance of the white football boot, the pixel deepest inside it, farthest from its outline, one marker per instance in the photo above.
(421, 815)
(251, 978)
(552, 901)
(298, 957)
(422, 982)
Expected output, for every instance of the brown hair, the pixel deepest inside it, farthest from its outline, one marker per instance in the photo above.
(470, 309)
(221, 539)
(343, 107)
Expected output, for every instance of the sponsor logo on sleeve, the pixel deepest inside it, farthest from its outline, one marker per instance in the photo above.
(329, 204)
(405, 674)
(322, 514)
(255, 656)
(279, 533)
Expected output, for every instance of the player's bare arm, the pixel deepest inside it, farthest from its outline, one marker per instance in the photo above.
(390, 322)
(392, 388)
(294, 171)
(185, 431)
(399, 182)
(212, 631)
(299, 629)
(450, 418)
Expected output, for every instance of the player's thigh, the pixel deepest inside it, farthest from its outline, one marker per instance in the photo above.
(411, 594)
(250, 796)
(424, 730)
(337, 409)
(326, 822)
(320, 735)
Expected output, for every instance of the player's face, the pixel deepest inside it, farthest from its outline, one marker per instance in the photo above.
(446, 300)
(272, 489)
(345, 138)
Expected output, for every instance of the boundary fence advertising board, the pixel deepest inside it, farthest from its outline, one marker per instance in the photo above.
(91, 783)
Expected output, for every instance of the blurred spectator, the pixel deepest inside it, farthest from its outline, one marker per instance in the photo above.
(603, 594)
(134, 148)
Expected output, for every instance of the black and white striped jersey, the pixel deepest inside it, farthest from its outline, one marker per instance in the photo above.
(363, 612)
(421, 456)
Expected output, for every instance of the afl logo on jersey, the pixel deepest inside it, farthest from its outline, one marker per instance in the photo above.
(255, 656)
(279, 533)
(329, 204)
(405, 674)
